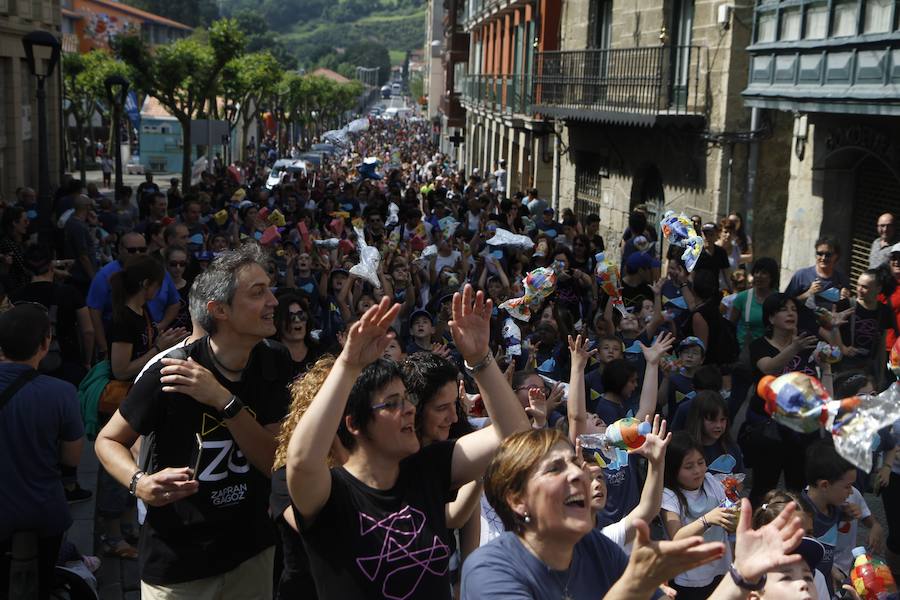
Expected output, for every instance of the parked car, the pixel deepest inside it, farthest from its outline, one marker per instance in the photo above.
(285, 170)
(134, 166)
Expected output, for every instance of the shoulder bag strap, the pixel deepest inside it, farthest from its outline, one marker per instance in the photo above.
(15, 386)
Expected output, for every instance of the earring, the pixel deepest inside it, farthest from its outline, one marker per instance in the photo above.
(527, 518)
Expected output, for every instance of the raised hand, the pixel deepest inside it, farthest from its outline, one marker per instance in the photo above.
(660, 347)
(368, 337)
(471, 324)
(758, 551)
(537, 407)
(655, 442)
(578, 348)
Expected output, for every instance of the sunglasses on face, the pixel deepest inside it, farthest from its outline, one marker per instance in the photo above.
(825, 254)
(178, 263)
(136, 249)
(298, 316)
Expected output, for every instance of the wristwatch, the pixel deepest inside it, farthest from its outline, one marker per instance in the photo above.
(743, 583)
(132, 488)
(480, 365)
(233, 408)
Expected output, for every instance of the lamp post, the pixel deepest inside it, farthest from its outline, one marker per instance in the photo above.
(116, 92)
(230, 114)
(42, 53)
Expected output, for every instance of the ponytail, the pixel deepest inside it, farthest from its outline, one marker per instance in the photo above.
(130, 280)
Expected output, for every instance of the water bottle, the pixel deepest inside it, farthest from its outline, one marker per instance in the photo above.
(871, 578)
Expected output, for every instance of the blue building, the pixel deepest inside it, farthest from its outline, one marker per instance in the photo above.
(160, 139)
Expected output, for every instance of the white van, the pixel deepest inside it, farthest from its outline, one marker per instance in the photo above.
(284, 170)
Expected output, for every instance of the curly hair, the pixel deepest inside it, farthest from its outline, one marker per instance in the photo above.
(303, 390)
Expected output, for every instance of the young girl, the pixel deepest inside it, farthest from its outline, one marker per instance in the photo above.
(690, 506)
(708, 425)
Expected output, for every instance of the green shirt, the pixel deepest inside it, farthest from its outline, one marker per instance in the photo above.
(755, 323)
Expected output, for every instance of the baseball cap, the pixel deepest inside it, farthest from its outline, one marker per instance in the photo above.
(895, 248)
(420, 313)
(692, 341)
(638, 260)
(811, 550)
(548, 211)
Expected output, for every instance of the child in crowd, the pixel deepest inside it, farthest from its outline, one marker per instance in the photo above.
(609, 348)
(691, 506)
(707, 377)
(421, 330)
(708, 425)
(679, 383)
(830, 480)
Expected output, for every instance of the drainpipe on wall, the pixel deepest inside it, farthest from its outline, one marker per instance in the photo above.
(752, 168)
(556, 158)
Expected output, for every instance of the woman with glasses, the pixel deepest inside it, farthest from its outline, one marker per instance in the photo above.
(376, 527)
(176, 260)
(292, 328)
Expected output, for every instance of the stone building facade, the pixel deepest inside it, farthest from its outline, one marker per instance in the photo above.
(18, 103)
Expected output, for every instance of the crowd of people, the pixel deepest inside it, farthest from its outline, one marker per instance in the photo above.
(319, 391)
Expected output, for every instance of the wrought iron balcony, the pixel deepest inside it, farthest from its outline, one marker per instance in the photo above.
(453, 110)
(508, 94)
(637, 86)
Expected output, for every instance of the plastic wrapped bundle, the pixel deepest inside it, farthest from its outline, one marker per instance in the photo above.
(369, 257)
(609, 280)
(679, 231)
(615, 443)
(367, 168)
(894, 359)
(328, 244)
(826, 353)
(538, 284)
(853, 433)
(503, 237)
(799, 402)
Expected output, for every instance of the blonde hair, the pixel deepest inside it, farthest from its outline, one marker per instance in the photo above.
(303, 390)
(509, 470)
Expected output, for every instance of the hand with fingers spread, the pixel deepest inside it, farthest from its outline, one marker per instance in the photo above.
(167, 486)
(368, 337)
(578, 348)
(555, 398)
(440, 349)
(758, 551)
(471, 324)
(659, 348)
(537, 407)
(654, 563)
(655, 442)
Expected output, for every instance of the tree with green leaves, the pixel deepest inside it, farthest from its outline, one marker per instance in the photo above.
(84, 91)
(181, 74)
(249, 81)
(197, 13)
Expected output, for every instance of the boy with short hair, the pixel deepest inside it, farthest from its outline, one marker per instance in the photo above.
(830, 481)
(421, 330)
(678, 384)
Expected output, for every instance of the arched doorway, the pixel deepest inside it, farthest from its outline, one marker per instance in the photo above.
(647, 189)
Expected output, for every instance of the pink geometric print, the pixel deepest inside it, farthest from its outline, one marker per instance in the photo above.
(399, 532)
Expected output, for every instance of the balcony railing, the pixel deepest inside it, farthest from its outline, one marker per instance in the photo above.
(621, 85)
(509, 94)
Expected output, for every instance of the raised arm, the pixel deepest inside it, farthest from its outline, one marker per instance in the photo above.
(653, 354)
(308, 476)
(654, 450)
(576, 403)
(471, 330)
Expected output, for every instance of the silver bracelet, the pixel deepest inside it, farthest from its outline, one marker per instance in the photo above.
(480, 365)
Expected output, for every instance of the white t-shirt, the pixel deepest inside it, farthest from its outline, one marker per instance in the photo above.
(700, 502)
(617, 533)
(491, 525)
(446, 261)
(846, 540)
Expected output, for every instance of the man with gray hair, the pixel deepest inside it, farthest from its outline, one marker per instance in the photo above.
(214, 408)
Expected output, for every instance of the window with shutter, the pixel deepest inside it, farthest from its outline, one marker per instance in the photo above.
(877, 192)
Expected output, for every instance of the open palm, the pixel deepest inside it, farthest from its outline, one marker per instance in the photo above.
(758, 551)
(655, 442)
(368, 337)
(578, 348)
(471, 324)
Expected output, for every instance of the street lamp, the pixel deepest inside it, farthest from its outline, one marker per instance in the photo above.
(116, 92)
(42, 53)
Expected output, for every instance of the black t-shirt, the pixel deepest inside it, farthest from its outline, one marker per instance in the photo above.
(864, 332)
(296, 578)
(368, 543)
(132, 328)
(714, 262)
(227, 521)
(67, 301)
(761, 348)
(633, 297)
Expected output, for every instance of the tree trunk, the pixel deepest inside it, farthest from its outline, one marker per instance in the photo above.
(186, 152)
(79, 147)
(245, 129)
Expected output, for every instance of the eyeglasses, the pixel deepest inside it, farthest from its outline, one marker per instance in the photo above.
(298, 315)
(178, 263)
(136, 249)
(394, 405)
(825, 254)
